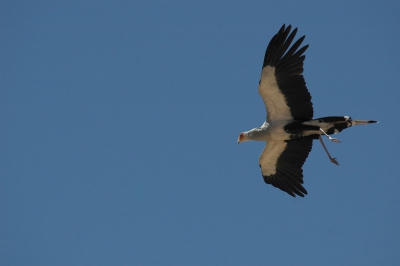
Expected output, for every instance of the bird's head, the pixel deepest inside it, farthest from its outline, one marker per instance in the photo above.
(242, 137)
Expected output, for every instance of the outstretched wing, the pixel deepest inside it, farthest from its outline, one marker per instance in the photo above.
(282, 86)
(281, 164)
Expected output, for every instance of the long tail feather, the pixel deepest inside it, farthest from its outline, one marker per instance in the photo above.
(363, 122)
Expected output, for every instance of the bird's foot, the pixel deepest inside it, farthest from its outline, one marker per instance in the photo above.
(334, 140)
(329, 137)
(333, 160)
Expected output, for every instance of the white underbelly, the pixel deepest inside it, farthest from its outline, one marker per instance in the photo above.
(277, 132)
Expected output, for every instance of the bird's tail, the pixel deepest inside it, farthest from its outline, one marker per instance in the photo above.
(363, 122)
(344, 119)
(335, 124)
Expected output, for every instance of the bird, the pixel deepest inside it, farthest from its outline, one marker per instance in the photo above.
(289, 129)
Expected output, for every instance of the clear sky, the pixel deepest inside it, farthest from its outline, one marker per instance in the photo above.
(119, 122)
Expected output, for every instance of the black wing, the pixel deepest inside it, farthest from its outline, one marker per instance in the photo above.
(281, 164)
(282, 86)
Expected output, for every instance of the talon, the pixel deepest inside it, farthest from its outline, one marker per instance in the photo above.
(335, 140)
(329, 137)
(333, 160)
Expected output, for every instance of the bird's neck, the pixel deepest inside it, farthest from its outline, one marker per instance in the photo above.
(257, 133)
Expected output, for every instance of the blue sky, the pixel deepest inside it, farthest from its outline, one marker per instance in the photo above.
(119, 122)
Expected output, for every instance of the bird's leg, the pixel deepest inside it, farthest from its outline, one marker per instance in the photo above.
(329, 137)
(333, 160)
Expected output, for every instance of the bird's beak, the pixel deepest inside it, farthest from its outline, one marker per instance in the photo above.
(240, 138)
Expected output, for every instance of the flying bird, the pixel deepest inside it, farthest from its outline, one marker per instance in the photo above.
(289, 129)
